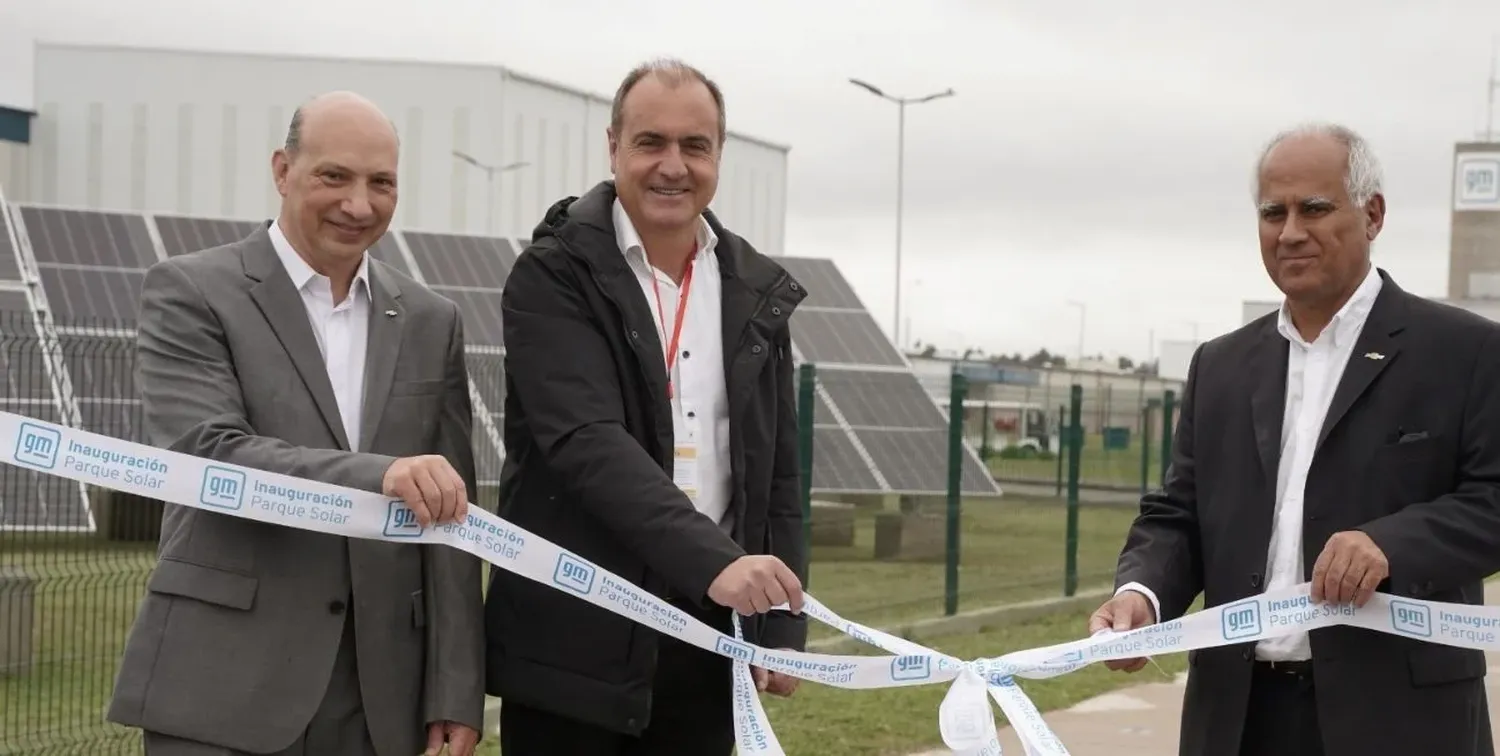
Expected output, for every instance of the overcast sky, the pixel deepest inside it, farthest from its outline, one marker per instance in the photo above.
(1097, 150)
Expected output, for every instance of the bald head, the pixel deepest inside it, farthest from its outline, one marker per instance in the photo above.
(337, 179)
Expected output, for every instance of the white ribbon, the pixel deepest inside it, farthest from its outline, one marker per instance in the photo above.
(965, 720)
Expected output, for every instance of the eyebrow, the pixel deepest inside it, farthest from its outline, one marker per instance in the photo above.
(1314, 202)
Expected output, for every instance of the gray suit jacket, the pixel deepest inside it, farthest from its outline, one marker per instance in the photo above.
(237, 633)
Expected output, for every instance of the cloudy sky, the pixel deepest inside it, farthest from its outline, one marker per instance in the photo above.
(1097, 151)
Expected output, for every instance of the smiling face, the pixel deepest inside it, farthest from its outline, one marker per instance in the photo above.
(338, 183)
(665, 152)
(1314, 239)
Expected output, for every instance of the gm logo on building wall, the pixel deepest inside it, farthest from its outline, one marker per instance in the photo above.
(573, 574)
(1477, 181)
(222, 488)
(1411, 619)
(1242, 620)
(37, 446)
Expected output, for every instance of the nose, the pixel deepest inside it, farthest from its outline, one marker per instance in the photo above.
(672, 166)
(1292, 232)
(357, 204)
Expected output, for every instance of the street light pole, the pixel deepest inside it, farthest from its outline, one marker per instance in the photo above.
(490, 173)
(901, 103)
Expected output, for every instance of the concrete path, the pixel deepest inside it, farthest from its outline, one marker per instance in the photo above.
(1142, 720)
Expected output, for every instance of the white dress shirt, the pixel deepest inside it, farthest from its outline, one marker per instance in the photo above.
(1313, 373)
(700, 400)
(342, 328)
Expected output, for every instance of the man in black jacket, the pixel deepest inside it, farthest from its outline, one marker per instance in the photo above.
(650, 427)
(1351, 440)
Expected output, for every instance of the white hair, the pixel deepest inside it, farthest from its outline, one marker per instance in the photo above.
(1362, 175)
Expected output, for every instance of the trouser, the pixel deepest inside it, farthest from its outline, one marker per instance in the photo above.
(337, 727)
(1282, 718)
(691, 710)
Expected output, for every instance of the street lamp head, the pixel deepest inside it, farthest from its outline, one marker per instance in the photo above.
(515, 165)
(871, 88)
(936, 95)
(467, 158)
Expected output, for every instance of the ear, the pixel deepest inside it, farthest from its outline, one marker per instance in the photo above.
(614, 146)
(281, 167)
(1374, 216)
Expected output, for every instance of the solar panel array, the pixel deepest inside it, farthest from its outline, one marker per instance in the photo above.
(876, 430)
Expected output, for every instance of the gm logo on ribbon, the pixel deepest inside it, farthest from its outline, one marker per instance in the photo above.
(401, 521)
(37, 446)
(1241, 620)
(736, 650)
(222, 488)
(573, 574)
(1411, 619)
(910, 668)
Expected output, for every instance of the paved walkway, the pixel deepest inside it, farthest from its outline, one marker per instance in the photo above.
(1142, 720)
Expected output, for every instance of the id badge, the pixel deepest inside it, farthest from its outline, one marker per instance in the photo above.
(685, 469)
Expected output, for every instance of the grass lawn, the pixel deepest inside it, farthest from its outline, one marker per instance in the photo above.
(835, 722)
(1097, 467)
(86, 592)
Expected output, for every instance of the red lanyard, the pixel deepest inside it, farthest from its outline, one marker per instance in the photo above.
(682, 303)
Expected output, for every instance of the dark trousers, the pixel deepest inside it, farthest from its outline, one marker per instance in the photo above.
(691, 711)
(1282, 718)
(337, 728)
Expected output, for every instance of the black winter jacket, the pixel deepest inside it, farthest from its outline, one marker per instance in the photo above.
(588, 439)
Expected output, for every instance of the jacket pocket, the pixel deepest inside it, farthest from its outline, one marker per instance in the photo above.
(1439, 665)
(174, 577)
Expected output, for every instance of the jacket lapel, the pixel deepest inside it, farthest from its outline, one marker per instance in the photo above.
(282, 307)
(387, 321)
(1268, 366)
(1378, 346)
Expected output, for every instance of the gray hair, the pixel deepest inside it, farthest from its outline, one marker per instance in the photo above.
(672, 72)
(1362, 174)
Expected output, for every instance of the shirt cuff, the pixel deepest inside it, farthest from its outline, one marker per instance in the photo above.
(1150, 596)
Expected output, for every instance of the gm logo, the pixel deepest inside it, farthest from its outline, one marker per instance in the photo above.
(401, 521)
(1242, 620)
(573, 574)
(1411, 619)
(1478, 182)
(37, 446)
(910, 668)
(735, 650)
(222, 488)
(1073, 657)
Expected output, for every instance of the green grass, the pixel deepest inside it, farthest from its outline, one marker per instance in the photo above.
(830, 721)
(1097, 467)
(86, 592)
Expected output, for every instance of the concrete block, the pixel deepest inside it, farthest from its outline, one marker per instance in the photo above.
(17, 619)
(910, 536)
(832, 524)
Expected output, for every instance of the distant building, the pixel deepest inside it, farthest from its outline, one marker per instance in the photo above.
(1474, 240)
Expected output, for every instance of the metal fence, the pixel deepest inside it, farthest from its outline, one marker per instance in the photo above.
(917, 543)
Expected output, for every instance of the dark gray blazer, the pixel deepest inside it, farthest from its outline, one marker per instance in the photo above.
(241, 620)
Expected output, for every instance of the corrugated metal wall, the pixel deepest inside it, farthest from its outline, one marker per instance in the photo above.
(192, 133)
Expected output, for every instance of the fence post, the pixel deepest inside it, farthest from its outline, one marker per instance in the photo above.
(1146, 446)
(806, 408)
(1062, 446)
(1075, 433)
(1168, 406)
(958, 391)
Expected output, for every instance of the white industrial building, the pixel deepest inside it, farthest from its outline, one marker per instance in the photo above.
(191, 132)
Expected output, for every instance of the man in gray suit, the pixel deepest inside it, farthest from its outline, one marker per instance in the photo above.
(295, 351)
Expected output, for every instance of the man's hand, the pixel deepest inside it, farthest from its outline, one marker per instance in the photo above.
(775, 683)
(1127, 611)
(1349, 569)
(461, 739)
(430, 486)
(753, 584)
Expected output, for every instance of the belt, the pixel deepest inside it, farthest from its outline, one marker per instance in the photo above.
(1298, 669)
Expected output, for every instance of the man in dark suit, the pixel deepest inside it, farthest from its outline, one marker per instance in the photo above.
(1351, 439)
(650, 427)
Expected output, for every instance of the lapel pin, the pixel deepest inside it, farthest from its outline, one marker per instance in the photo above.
(1374, 356)
(392, 314)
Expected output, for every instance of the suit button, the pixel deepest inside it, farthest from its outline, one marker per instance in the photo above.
(1247, 654)
(755, 349)
(1255, 580)
(335, 607)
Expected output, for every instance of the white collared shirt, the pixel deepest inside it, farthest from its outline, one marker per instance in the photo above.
(342, 328)
(700, 399)
(1313, 373)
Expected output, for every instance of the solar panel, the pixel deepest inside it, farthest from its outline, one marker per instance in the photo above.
(92, 294)
(24, 369)
(916, 461)
(837, 465)
(88, 238)
(870, 399)
(843, 338)
(16, 307)
(181, 234)
(825, 286)
(33, 500)
(10, 262)
(102, 372)
(471, 271)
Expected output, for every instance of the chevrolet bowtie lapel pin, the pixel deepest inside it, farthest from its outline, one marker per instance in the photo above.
(1374, 356)
(392, 314)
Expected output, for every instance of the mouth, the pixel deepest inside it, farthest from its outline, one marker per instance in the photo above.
(666, 192)
(345, 228)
